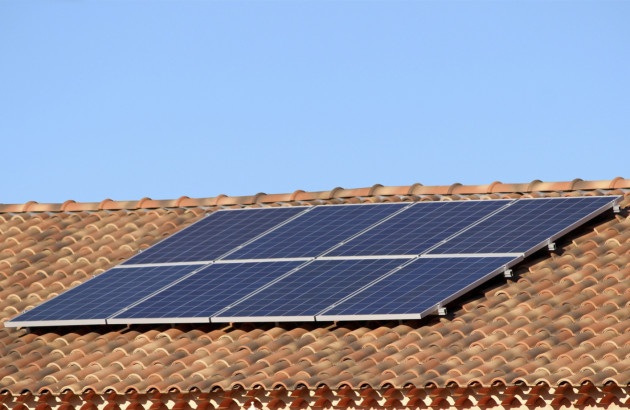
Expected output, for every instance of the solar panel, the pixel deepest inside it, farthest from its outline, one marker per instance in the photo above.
(524, 225)
(416, 289)
(215, 235)
(205, 293)
(349, 262)
(307, 291)
(100, 297)
(316, 231)
(418, 228)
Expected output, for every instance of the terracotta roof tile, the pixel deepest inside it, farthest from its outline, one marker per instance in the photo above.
(563, 318)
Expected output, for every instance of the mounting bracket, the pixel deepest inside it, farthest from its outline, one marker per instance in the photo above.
(442, 311)
(551, 246)
(508, 273)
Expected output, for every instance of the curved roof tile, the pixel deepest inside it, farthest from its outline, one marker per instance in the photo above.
(562, 319)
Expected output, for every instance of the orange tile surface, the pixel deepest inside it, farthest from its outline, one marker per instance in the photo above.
(560, 325)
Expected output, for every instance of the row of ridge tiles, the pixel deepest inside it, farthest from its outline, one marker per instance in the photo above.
(377, 190)
(563, 318)
(323, 397)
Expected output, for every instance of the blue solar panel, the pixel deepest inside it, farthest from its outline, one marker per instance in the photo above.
(321, 284)
(209, 290)
(316, 231)
(216, 234)
(418, 228)
(417, 287)
(313, 288)
(106, 294)
(523, 225)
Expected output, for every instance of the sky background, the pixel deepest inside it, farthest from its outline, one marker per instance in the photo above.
(131, 99)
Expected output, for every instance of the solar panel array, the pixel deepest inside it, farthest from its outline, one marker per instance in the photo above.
(330, 262)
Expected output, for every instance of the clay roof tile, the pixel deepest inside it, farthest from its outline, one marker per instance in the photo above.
(564, 320)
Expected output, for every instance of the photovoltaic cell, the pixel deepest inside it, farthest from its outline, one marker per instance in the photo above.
(209, 290)
(523, 225)
(106, 294)
(418, 228)
(215, 235)
(312, 288)
(418, 286)
(316, 231)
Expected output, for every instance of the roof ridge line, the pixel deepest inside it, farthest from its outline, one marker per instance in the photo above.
(376, 190)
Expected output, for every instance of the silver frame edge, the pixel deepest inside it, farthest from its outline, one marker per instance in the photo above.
(255, 319)
(158, 320)
(42, 323)
(338, 318)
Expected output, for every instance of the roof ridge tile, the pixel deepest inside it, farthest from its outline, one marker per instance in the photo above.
(376, 190)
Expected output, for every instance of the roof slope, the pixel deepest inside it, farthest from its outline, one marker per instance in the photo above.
(562, 318)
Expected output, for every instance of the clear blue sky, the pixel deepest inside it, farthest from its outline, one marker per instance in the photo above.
(127, 99)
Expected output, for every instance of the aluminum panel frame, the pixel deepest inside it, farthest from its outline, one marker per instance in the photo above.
(160, 320)
(44, 323)
(341, 318)
(261, 319)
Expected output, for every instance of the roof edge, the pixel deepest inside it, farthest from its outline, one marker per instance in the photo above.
(376, 190)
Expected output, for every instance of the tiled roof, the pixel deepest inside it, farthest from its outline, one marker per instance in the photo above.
(558, 330)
